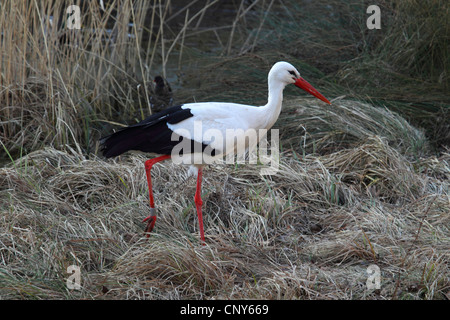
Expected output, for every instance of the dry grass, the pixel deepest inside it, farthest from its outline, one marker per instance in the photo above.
(346, 123)
(308, 232)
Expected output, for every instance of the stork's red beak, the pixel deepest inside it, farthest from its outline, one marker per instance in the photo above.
(303, 84)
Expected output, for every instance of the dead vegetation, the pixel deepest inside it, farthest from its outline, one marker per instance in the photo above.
(358, 184)
(308, 232)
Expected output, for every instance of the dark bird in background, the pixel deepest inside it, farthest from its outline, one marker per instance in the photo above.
(162, 95)
(157, 93)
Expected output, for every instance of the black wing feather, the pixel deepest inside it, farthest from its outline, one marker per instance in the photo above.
(150, 135)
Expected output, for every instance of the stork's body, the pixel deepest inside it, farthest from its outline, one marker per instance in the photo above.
(163, 132)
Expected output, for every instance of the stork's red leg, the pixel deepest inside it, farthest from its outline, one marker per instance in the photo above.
(151, 219)
(198, 204)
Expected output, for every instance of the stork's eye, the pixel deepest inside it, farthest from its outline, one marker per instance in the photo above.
(292, 72)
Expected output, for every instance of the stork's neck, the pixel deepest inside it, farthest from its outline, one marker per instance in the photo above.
(273, 106)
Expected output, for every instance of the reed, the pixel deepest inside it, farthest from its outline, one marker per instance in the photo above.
(57, 83)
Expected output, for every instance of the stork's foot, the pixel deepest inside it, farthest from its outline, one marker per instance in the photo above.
(151, 220)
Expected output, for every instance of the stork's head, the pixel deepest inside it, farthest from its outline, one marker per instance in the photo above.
(286, 73)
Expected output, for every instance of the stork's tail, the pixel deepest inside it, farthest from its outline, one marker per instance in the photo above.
(120, 142)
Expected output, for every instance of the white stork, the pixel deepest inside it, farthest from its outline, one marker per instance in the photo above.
(161, 133)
